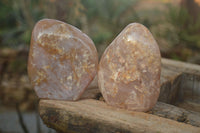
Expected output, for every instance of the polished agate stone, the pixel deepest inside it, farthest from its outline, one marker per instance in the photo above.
(62, 60)
(129, 70)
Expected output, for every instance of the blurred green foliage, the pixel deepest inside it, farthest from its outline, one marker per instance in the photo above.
(174, 28)
(187, 29)
(100, 19)
(181, 33)
(17, 17)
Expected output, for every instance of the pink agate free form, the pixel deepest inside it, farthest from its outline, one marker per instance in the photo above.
(62, 60)
(129, 70)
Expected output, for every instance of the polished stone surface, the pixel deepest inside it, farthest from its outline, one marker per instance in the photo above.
(129, 70)
(62, 60)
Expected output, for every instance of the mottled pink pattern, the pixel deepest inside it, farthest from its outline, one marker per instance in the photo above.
(129, 70)
(62, 60)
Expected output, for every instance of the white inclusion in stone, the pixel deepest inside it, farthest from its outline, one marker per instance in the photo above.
(144, 71)
(131, 98)
(69, 77)
(91, 65)
(76, 56)
(54, 34)
(49, 32)
(116, 76)
(135, 37)
(131, 38)
(33, 64)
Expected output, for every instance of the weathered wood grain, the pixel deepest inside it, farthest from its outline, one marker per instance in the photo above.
(175, 113)
(93, 116)
(180, 67)
(180, 82)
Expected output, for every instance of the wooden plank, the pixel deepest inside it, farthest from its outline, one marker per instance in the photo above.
(93, 116)
(180, 67)
(180, 81)
(176, 113)
(96, 116)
